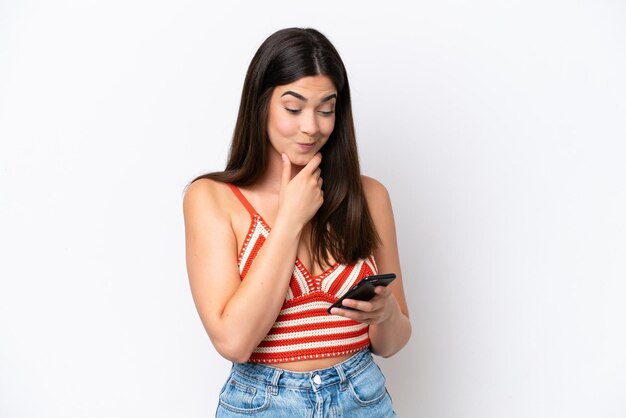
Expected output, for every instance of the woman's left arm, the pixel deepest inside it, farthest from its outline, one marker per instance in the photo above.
(387, 313)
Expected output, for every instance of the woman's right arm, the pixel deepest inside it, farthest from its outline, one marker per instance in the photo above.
(237, 314)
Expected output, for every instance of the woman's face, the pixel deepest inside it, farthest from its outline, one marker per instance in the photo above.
(301, 117)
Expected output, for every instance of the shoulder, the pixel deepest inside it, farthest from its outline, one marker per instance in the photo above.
(202, 190)
(378, 204)
(206, 196)
(375, 192)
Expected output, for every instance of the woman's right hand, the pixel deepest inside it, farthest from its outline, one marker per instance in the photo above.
(302, 196)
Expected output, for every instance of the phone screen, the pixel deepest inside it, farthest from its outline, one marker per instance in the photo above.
(364, 290)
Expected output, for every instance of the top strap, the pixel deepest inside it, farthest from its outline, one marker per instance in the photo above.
(242, 199)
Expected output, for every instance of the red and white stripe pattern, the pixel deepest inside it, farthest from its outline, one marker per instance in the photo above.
(304, 329)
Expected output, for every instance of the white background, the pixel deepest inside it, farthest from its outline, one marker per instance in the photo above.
(498, 128)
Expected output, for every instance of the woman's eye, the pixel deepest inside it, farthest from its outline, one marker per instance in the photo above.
(294, 111)
(326, 112)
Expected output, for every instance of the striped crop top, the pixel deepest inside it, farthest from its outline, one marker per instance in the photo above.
(304, 329)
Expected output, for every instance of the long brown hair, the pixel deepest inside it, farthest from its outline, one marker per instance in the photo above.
(342, 226)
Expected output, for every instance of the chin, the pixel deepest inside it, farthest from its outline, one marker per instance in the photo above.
(301, 160)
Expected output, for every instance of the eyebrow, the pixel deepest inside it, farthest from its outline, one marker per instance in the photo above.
(304, 99)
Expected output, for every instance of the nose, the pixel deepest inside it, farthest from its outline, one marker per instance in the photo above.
(308, 124)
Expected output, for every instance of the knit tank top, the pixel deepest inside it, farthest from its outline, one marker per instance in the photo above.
(304, 329)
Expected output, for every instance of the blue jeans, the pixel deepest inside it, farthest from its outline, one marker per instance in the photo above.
(353, 388)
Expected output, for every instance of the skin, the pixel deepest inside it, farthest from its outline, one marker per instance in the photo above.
(300, 120)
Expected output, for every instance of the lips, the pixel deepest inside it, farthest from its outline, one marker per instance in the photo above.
(306, 146)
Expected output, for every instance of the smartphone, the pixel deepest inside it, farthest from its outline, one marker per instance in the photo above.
(364, 290)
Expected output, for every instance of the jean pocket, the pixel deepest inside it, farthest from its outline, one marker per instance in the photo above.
(368, 386)
(243, 397)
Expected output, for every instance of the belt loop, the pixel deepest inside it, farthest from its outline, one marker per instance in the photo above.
(343, 384)
(274, 385)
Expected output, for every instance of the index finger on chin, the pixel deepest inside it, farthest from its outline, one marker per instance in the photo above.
(314, 163)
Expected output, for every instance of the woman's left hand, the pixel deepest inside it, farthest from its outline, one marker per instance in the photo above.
(378, 309)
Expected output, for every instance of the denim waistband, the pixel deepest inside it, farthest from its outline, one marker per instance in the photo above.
(314, 379)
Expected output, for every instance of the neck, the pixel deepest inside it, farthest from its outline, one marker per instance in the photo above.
(272, 177)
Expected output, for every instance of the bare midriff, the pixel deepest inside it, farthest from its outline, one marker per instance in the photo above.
(314, 364)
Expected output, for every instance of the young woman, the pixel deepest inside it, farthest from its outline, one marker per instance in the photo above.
(288, 227)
